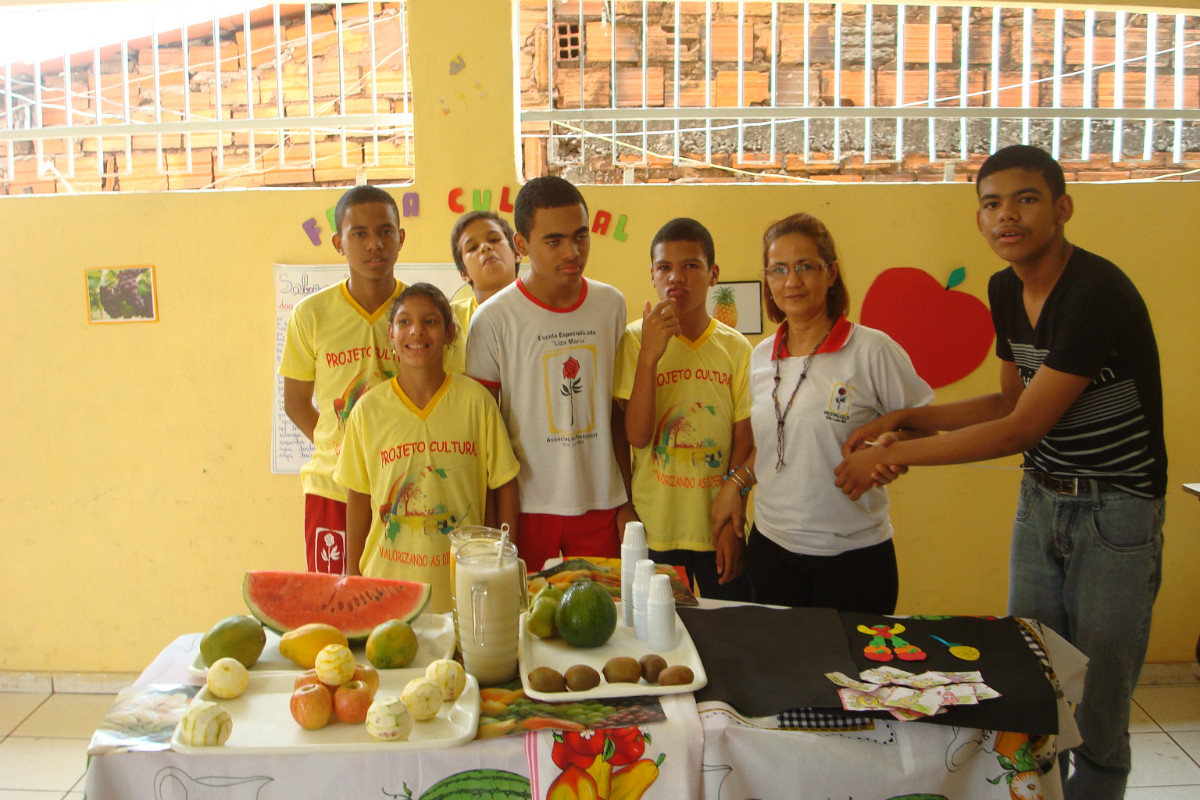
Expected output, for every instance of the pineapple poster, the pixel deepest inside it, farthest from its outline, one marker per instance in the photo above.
(738, 304)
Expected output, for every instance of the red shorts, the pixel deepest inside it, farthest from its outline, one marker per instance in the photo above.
(544, 536)
(325, 534)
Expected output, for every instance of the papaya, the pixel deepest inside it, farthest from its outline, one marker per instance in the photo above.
(301, 645)
(239, 637)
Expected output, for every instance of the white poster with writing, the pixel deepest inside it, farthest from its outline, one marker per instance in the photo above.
(291, 449)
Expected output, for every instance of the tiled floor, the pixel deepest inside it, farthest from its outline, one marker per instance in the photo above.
(44, 738)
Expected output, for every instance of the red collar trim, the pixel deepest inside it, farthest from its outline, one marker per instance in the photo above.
(835, 341)
(582, 296)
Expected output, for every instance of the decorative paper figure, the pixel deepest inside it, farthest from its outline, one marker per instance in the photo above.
(457, 65)
(877, 650)
(963, 652)
(313, 230)
(946, 333)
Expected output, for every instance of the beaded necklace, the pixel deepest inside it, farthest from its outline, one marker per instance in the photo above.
(780, 416)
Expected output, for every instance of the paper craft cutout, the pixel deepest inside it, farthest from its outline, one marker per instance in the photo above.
(877, 650)
(457, 65)
(963, 652)
(947, 333)
(907, 696)
(313, 230)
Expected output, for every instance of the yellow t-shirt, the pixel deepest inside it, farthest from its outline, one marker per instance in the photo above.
(702, 390)
(344, 350)
(454, 359)
(427, 471)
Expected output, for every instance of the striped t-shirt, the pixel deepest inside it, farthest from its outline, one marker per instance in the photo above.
(1094, 324)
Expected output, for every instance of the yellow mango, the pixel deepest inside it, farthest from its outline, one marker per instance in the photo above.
(302, 644)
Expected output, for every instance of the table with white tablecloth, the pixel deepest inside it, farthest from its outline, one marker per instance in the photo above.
(708, 750)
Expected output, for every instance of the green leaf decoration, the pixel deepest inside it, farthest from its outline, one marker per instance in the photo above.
(957, 276)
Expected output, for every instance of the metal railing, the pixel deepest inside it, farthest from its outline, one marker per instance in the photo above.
(944, 82)
(209, 89)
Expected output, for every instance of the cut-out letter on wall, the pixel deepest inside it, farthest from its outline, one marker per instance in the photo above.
(331, 215)
(600, 222)
(313, 230)
(452, 200)
(619, 231)
(410, 204)
(481, 200)
(505, 204)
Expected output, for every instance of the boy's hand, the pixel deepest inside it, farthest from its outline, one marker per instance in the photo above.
(625, 513)
(865, 435)
(659, 324)
(728, 509)
(731, 554)
(857, 473)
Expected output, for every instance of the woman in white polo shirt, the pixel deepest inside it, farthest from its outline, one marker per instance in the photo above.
(815, 381)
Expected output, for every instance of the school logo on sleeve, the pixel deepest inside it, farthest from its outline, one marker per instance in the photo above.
(840, 399)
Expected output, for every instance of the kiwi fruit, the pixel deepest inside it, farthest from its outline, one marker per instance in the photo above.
(622, 669)
(677, 675)
(581, 677)
(547, 680)
(652, 665)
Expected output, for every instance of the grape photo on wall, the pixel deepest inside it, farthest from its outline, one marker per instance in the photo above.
(121, 295)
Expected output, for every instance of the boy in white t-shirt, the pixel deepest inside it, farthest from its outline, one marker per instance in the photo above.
(482, 245)
(336, 349)
(545, 346)
(684, 377)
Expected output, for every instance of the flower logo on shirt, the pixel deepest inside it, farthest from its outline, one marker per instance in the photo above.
(572, 383)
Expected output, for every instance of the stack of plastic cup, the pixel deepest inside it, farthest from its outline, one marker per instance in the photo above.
(633, 550)
(660, 615)
(641, 597)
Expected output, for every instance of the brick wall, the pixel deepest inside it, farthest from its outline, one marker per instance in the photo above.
(604, 41)
(250, 83)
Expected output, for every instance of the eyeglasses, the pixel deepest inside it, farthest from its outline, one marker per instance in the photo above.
(805, 269)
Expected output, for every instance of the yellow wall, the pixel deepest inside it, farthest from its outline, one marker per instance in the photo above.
(137, 490)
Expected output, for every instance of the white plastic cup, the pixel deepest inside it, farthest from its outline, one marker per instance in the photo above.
(641, 597)
(660, 615)
(633, 550)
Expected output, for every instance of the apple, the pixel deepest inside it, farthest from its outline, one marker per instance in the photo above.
(312, 706)
(309, 678)
(351, 702)
(947, 334)
(368, 675)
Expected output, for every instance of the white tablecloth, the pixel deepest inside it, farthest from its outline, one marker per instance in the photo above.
(710, 752)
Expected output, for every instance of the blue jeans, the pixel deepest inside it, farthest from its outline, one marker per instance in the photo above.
(1089, 566)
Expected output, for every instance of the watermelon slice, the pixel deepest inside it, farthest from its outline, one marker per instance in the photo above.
(284, 601)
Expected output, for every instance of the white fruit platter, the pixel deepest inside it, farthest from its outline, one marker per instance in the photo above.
(435, 640)
(534, 652)
(263, 723)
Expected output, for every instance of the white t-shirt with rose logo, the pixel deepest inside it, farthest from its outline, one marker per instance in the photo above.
(554, 368)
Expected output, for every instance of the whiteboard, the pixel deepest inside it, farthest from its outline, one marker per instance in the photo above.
(291, 449)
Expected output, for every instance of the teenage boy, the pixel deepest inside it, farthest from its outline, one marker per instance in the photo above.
(545, 345)
(481, 243)
(684, 377)
(1080, 394)
(336, 349)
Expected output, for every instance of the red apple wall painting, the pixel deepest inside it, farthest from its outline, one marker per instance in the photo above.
(946, 333)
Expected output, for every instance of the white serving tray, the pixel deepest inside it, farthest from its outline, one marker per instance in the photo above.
(534, 652)
(435, 639)
(263, 724)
